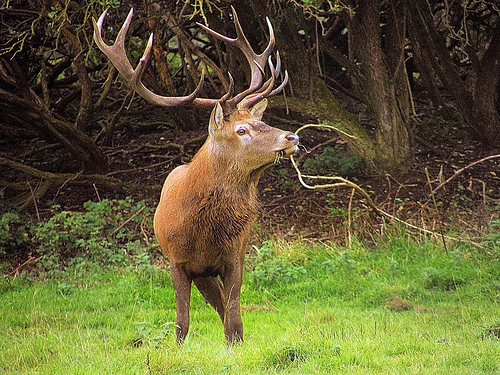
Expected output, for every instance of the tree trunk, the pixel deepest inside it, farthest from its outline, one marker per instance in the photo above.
(485, 94)
(388, 151)
(475, 103)
(85, 109)
(382, 85)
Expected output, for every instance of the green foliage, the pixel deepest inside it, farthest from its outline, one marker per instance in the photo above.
(441, 280)
(490, 331)
(331, 162)
(493, 240)
(13, 233)
(269, 269)
(288, 355)
(335, 318)
(106, 4)
(106, 234)
(153, 335)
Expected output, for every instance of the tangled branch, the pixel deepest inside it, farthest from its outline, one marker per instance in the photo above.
(342, 182)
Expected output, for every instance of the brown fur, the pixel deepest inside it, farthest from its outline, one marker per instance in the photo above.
(207, 208)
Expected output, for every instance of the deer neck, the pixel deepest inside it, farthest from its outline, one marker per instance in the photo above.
(215, 165)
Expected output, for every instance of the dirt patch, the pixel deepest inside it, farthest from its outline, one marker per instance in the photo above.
(399, 304)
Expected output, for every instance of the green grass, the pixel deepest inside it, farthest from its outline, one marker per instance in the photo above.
(306, 310)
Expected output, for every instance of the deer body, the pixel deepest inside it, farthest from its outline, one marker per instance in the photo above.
(207, 207)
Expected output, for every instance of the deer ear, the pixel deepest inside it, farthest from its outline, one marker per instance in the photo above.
(216, 120)
(258, 109)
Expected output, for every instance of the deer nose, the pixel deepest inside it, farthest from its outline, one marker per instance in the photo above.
(293, 139)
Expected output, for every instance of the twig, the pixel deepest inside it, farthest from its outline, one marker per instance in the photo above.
(128, 220)
(97, 192)
(342, 182)
(349, 218)
(146, 166)
(34, 201)
(30, 260)
(148, 364)
(331, 140)
(463, 169)
(65, 182)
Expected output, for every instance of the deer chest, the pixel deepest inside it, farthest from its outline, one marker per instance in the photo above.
(221, 218)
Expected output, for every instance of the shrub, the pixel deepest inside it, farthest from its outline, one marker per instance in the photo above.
(270, 268)
(333, 162)
(13, 233)
(440, 280)
(107, 234)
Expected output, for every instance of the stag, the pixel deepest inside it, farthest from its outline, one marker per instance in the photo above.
(207, 207)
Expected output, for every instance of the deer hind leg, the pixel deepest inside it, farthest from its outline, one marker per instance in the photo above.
(182, 287)
(211, 289)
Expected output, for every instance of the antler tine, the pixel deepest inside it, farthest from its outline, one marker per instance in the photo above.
(117, 55)
(267, 88)
(278, 89)
(229, 92)
(256, 61)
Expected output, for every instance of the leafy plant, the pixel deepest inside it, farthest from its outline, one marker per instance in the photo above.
(493, 239)
(13, 233)
(491, 332)
(331, 161)
(437, 279)
(107, 233)
(148, 335)
(290, 354)
(270, 269)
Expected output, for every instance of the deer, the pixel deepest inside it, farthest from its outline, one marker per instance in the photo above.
(208, 206)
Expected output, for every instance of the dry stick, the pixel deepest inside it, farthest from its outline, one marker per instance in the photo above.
(349, 221)
(128, 220)
(433, 197)
(463, 169)
(34, 201)
(344, 182)
(30, 260)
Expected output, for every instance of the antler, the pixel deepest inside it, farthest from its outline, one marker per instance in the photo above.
(257, 89)
(244, 100)
(117, 55)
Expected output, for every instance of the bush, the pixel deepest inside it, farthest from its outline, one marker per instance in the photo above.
(13, 233)
(270, 268)
(333, 162)
(440, 280)
(110, 233)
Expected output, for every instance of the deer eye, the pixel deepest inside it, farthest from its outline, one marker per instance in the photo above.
(241, 131)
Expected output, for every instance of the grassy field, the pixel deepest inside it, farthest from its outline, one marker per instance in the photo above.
(404, 307)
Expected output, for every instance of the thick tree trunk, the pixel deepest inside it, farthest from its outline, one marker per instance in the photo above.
(475, 103)
(388, 152)
(486, 92)
(382, 87)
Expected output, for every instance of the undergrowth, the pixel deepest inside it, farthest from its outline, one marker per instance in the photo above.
(109, 233)
(407, 305)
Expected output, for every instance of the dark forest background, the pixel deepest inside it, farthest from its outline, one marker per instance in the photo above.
(412, 87)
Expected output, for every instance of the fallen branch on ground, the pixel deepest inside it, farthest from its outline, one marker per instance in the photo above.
(50, 180)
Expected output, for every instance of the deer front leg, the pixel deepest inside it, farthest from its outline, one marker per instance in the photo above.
(233, 325)
(182, 287)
